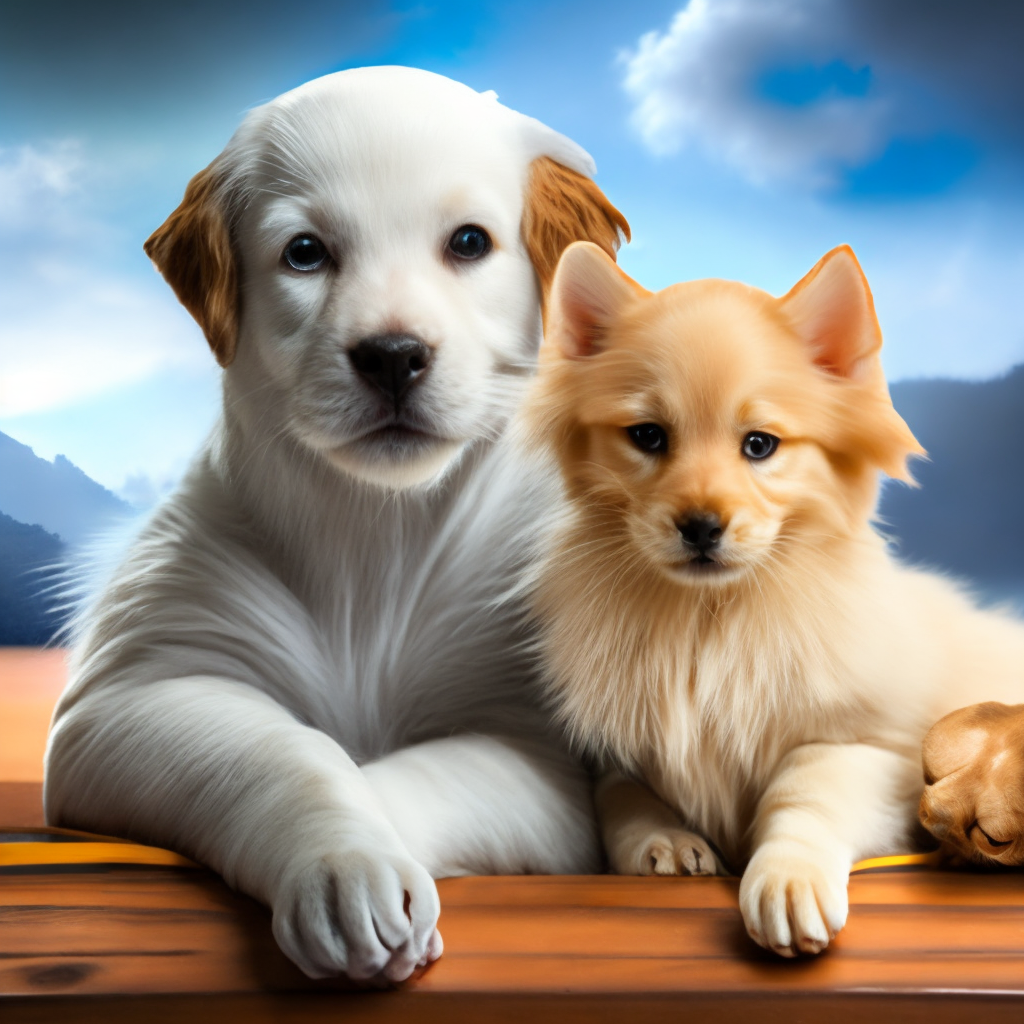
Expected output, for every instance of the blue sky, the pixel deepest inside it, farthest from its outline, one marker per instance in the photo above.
(742, 138)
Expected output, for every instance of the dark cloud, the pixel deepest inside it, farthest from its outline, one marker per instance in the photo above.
(970, 53)
(121, 64)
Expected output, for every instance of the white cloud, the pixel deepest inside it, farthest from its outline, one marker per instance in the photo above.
(696, 82)
(77, 321)
(949, 69)
(87, 336)
(32, 177)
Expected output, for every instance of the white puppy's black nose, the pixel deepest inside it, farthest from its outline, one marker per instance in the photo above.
(391, 362)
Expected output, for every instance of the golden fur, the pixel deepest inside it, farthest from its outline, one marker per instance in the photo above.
(974, 783)
(773, 694)
(563, 206)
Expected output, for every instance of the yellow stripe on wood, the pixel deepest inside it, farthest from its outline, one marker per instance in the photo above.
(42, 854)
(902, 860)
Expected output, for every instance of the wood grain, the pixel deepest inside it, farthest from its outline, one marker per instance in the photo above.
(162, 931)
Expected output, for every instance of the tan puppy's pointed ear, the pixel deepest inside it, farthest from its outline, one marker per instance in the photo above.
(832, 312)
(562, 207)
(587, 295)
(831, 309)
(192, 249)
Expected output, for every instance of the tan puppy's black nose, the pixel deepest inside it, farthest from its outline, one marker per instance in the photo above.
(391, 362)
(702, 532)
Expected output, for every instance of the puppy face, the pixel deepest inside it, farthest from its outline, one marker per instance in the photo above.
(717, 428)
(381, 277)
(390, 296)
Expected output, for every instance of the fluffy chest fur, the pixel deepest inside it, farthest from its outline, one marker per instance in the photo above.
(429, 639)
(378, 652)
(702, 693)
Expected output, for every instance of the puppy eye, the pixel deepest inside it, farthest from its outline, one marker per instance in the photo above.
(304, 252)
(649, 437)
(758, 445)
(470, 242)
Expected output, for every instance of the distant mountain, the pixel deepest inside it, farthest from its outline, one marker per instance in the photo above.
(46, 509)
(968, 515)
(26, 612)
(56, 495)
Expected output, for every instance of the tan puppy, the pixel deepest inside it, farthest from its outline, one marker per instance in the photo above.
(719, 617)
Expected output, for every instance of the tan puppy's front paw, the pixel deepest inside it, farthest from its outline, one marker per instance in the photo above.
(663, 851)
(793, 901)
(974, 783)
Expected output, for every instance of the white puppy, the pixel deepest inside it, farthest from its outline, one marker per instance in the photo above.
(308, 672)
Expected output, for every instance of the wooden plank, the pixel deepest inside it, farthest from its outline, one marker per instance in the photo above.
(155, 931)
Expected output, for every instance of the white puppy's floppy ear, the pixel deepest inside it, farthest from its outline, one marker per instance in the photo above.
(192, 249)
(564, 206)
(562, 203)
(540, 140)
(832, 311)
(587, 294)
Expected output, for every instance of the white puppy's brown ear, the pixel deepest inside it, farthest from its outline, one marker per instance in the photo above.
(192, 249)
(587, 295)
(562, 207)
(831, 310)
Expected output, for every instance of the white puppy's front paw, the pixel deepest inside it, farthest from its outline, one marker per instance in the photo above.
(663, 851)
(793, 899)
(364, 913)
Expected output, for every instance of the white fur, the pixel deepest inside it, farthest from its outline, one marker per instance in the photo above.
(309, 673)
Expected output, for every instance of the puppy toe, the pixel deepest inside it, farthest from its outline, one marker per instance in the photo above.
(810, 932)
(435, 947)
(694, 856)
(661, 858)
